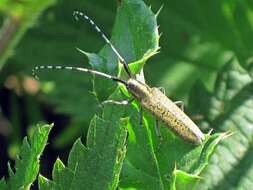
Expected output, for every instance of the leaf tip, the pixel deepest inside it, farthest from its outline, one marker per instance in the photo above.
(159, 11)
(227, 134)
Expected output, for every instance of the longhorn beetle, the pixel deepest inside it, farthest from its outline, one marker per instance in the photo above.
(152, 99)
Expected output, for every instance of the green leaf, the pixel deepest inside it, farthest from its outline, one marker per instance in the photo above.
(103, 160)
(150, 161)
(77, 150)
(27, 163)
(230, 108)
(134, 35)
(99, 164)
(183, 180)
(45, 184)
(62, 176)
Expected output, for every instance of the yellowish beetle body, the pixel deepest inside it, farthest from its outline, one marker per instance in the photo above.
(157, 103)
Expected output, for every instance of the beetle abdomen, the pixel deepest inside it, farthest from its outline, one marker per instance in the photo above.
(172, 116)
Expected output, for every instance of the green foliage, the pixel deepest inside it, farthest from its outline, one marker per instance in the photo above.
(149, 163)
(138, 25)
(155, 164)
(27, 163)
(199, 39)
(229, 108)
(20, 16)
(99, 164)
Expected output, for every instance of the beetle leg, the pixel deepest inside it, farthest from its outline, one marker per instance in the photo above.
(124, 102)
(180, 104)
(162, 89)
(157, 129)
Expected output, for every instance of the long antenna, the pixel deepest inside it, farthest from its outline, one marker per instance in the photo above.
(80, 69)
(78, 14)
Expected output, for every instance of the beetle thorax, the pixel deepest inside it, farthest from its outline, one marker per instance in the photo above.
(138, 89)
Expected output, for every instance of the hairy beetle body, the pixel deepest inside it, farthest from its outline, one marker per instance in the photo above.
(156, 102)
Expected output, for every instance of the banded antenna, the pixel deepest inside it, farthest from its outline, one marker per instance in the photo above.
(78, 14)
(80, 69)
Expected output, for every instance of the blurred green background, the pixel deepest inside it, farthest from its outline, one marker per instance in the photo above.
(198, 38)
